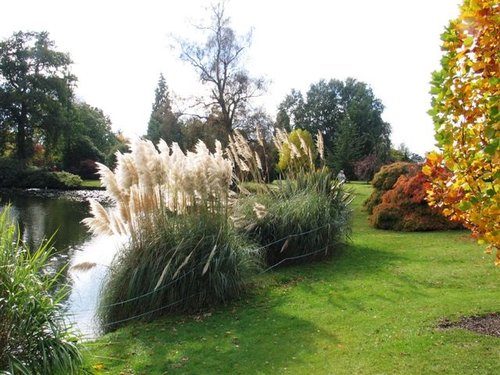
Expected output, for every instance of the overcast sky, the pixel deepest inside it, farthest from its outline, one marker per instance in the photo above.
(119, 49)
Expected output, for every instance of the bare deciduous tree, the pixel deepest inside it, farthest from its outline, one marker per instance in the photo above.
(219, 64)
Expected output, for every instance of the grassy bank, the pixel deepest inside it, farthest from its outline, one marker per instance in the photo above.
(92, 184)
(372, 309)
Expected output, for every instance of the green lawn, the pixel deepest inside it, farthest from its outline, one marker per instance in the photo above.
(91, 183)
(372, 309)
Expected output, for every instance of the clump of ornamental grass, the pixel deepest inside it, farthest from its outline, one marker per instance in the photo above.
(34, 336)
(182, 254)
(305, 217)
(185, 264)
(300, 221)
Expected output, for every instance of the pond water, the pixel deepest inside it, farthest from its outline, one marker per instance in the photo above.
(40, 214)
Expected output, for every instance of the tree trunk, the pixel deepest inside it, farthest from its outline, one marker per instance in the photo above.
(21, 144)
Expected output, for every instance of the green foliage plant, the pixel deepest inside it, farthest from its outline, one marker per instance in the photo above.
(34, 335)
(15, 174)
(184, 264)
(49, 180)
(11, 171)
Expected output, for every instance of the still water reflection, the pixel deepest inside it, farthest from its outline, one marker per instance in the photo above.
(40, 214)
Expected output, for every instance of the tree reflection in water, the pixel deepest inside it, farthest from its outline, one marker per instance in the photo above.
(40, 214)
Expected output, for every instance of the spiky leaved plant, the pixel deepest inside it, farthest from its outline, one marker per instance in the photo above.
(34, 336)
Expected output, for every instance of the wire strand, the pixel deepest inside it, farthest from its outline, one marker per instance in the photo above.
(203, 261)
(325, 248)
(195, 294)
(295, 257)
(148, 312)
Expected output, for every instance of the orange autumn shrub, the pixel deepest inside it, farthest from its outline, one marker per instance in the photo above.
(385, 179)
(404, 205)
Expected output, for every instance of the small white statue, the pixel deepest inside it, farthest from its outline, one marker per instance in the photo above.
(341, 176)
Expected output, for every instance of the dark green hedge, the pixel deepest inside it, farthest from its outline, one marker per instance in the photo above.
(50, 180)
(11, 171)
(13, 174)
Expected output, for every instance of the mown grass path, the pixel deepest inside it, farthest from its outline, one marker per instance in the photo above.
(372, 309)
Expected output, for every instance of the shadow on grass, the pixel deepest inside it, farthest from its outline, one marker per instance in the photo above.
(258, 335)
(255, 340)
(357, 277)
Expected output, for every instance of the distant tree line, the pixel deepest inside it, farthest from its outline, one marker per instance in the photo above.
(346, 113)
(41, 122)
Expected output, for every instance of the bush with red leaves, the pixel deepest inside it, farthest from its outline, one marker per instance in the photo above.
(385, 179)
(366, 168)
(88, 170)
(399, 203)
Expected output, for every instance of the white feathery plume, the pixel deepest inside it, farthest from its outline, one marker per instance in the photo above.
(207, 264)
(242, 146)
(143, 153)
(163, 147)
(116, 223)
(233, 153)
(320, 145)
(148, 181)
(303, 144)
(307, 150)
(238, 221)
(258, 161)
(260, 210)
(99, 222)
(108, 180)
(126, 172)
(280, 139)
(164, 272)
(186, 260)
(260, 137)
(244, 167)
(219, 153)
(294, 151)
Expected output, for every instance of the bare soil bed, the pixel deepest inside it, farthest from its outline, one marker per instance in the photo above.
(485, 324)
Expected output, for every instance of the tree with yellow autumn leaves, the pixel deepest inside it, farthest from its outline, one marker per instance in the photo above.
(466, 112)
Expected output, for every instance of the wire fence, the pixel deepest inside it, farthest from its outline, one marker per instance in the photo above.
(192, 270)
